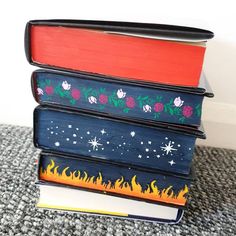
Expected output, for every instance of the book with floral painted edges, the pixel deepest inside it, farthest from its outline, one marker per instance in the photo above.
(58, 197)
(133, 51)
(163, 147)
(154, 103)
(112, 179)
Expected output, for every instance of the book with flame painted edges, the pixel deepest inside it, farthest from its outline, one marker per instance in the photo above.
(77, 200)
(133, 51)
(112, 179)
(155, 103)
(156, 146)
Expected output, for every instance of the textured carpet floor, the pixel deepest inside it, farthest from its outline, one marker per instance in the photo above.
(212, 209)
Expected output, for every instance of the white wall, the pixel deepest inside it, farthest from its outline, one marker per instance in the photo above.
(17, 103)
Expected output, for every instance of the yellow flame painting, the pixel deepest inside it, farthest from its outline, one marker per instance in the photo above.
(133, 189)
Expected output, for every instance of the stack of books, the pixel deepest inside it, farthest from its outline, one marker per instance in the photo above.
(120, 111)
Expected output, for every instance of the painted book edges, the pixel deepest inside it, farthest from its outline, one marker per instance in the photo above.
(119, 98)
(102, 138)
(102, 48)
(113, 179)
(77, 200)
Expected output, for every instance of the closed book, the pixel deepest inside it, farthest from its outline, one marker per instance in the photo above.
(133, 51)
(157, 146)
(155, 103)
(112, 179)
(76, 200)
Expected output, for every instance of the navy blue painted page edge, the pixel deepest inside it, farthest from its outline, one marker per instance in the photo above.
(184, 129)
(79, 76)
(46, 154)
(191, 176)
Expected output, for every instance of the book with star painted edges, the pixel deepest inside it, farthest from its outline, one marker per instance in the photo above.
(163, 147)
(76, 200)
(155, 103)
(119, 180)
(133, 51)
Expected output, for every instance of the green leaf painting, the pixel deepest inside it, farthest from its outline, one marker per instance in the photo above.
(155, 107)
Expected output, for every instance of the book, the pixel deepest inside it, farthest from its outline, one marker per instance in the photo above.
(75, 200)
(149, 102)
(132, 51)
(155, 146)
(112, 179)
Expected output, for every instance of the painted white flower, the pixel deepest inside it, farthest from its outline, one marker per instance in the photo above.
(147, 108)
(120, 93)
(178, 102)
(65, 85)
(39, 91)
(92, 99)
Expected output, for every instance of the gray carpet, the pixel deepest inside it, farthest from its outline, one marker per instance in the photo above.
(212, 210)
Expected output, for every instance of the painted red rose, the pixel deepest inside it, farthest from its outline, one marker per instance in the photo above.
(130, 102)
(49, 90)
(187, 111)
(158, 107)
(103, 99)
(75, 93)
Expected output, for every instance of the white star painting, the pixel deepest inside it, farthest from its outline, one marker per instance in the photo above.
(168, 148)
(103, 131)
(57, 144)
(171, 162)
(94, 143)
(132, 133)
(126, 144)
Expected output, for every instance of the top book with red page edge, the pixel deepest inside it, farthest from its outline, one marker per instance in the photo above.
(148, 53)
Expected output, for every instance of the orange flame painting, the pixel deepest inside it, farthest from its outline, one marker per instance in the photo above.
(133, 189)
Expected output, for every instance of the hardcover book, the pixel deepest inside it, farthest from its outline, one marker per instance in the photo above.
(133, 51)
(155, 103)
(69, 199)
(112, 179)
(156, 146)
